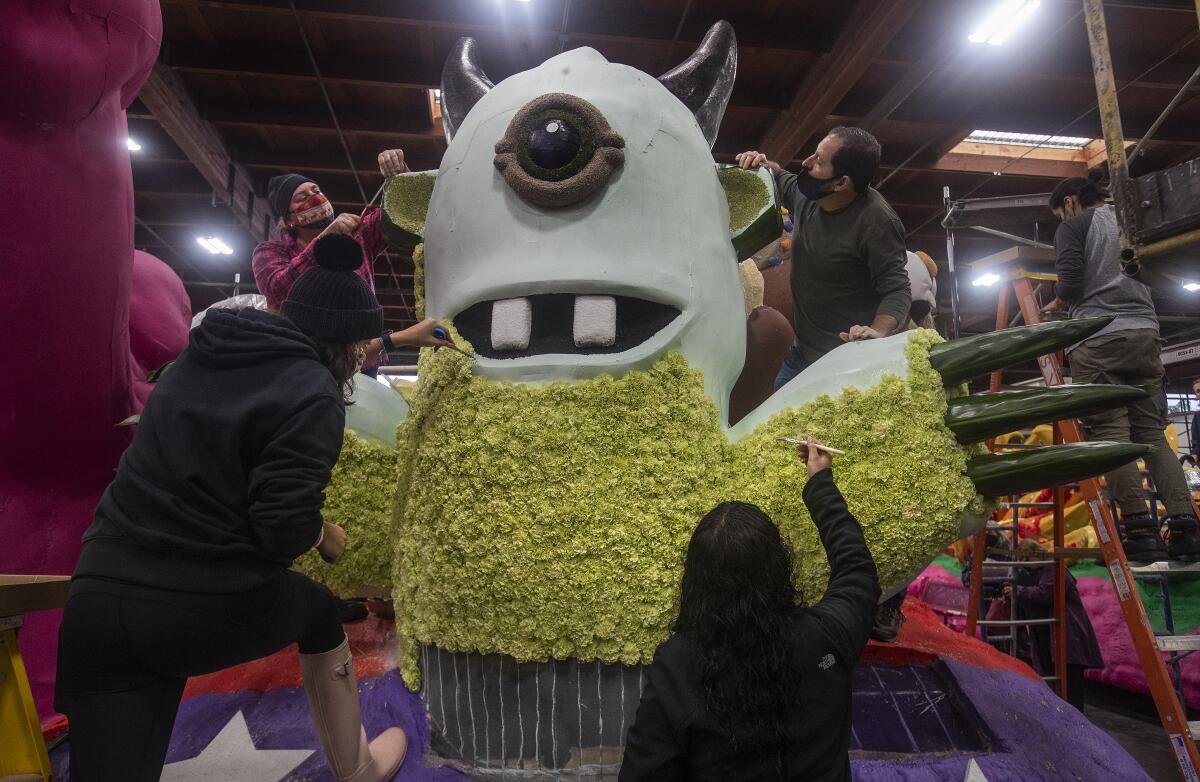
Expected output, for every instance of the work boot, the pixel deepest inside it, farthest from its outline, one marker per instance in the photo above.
(1184, 542)
(1141, 541)
(332, 694)
(887, 624)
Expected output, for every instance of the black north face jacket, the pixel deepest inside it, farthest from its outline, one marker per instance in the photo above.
(674, 737)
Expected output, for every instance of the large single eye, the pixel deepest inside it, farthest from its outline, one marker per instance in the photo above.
(554, 142)
(558, 149)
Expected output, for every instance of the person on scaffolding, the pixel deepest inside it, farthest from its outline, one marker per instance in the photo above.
(1090, 284)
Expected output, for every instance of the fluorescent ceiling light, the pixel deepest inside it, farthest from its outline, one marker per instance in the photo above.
(214, 245)
(1003, 21)
(1191, 287)
(132, 145)
(1028, 139)
(985, 280)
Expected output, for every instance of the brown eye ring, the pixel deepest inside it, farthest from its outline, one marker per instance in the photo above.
(558, 150)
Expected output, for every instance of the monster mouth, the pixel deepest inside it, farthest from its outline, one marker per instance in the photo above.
(567, 323)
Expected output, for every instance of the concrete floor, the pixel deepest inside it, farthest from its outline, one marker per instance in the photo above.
(1133, 724)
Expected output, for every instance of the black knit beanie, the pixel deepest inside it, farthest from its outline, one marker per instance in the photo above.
(279, 192)
(330, 301)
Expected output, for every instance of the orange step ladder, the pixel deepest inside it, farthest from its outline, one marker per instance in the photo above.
(1059, 607)
(1024, 284)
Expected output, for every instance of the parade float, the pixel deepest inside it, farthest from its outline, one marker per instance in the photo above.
(582, 245)
(529, 511)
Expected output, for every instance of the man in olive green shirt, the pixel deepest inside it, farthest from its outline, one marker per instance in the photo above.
(849, 280)
(848, 276)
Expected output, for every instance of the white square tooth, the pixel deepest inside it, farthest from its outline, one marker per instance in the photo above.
(511, 321)
(595, 321)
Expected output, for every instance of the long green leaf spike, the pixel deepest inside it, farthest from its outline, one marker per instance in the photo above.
(1000, 474)
(976, 418)
(963, 359)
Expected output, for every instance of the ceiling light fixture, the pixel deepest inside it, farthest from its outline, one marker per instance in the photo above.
(1003, 21)
(132, 145)
(1191, 287)
(985, 280)
(1028, 139)
(214, 245)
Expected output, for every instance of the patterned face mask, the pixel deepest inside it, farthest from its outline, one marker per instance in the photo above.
(313, 212)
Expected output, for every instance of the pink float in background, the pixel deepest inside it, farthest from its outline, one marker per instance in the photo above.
(68, 363)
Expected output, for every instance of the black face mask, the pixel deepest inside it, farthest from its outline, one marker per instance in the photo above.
(811, 187)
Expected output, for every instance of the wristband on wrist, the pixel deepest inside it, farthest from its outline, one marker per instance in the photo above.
(321, 537)
(385, 342)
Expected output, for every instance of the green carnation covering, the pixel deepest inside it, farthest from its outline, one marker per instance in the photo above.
(746, 193)
(360, 499)
(419, 281)
(407, 200)
(901, 476)
(551, 521)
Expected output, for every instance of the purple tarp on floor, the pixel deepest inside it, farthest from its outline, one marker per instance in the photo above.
(1033, 735)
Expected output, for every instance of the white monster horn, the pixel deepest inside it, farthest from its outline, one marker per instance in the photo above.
(704, 81)
(463, 84)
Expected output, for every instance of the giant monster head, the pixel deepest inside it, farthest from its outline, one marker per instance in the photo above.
(554, 241)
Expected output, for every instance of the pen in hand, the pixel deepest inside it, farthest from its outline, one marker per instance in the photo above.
(800, 441)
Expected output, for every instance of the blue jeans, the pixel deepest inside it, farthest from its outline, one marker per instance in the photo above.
(793, 364)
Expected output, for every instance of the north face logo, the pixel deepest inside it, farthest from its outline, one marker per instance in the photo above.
(826, 662)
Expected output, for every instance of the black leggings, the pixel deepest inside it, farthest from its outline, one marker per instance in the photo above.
(125, 652)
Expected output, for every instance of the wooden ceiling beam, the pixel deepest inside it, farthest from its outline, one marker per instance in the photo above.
(405, 127)
(1002, 118)
(1053, 120)
(934, 59)
(866, 32)
(389, 74)
(167, 98)
(293, 64)
(340, 204)
(155, 212)
(467, 18)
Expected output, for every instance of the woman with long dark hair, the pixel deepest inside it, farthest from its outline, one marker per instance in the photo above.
(184, 570)
(752, 686)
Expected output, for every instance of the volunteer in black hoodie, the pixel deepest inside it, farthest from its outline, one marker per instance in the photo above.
(751, 686)
(184, 570)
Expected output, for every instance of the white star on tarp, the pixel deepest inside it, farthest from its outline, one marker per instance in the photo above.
(974, 772)
(232, 757)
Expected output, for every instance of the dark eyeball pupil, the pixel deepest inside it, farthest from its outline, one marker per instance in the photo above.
(553, 143)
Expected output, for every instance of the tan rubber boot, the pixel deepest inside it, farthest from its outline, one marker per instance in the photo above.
(332, 694)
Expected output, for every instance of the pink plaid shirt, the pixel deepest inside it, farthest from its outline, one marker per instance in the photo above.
(278, 264)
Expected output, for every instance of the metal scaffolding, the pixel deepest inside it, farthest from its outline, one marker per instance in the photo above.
(1159, 213)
